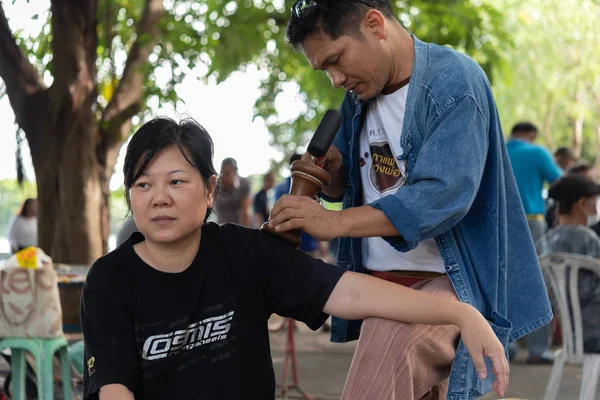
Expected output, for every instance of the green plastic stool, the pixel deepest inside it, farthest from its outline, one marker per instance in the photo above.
(76, 356)
(43, 352)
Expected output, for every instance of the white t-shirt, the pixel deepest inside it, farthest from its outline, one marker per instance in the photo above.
(383, 174)
(23, 233)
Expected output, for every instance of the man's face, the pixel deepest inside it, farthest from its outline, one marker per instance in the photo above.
(228, 174)
(269, 181)
(358, 65)
(564, 162)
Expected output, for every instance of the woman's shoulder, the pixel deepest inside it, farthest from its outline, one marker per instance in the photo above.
(240, 241)
(230, 231)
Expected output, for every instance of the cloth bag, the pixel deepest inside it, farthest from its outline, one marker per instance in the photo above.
(29, 297)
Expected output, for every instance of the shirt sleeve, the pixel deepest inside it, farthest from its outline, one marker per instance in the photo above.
(295, 285)
(445, 178)
(548, 167)
(110, 346)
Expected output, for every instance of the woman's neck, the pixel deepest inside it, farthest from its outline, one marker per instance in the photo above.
(172, 257)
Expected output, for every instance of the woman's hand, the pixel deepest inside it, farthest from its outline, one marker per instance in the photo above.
(481, 341)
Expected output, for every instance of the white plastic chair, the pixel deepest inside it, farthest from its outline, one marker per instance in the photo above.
(557, 267)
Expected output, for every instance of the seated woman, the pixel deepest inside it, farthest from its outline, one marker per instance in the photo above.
(577, 196)
(180, 309)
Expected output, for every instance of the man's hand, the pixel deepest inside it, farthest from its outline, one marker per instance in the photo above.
(302, 212)
(333, 165)
(333, 160)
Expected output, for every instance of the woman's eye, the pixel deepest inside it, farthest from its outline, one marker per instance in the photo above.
(142, 185)
(176, 181)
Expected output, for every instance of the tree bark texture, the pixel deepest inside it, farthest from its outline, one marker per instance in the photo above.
(73, 151)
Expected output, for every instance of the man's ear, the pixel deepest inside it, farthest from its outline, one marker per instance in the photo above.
(374, 23)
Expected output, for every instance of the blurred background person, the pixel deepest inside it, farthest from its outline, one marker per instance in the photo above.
(580, 168)
(126, 230)
(23, 231)
(533, 166)
(232, 196)
(261, 200)
(565, 158)
(577, 198)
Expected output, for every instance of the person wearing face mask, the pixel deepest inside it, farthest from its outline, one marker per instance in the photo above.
(577, 198)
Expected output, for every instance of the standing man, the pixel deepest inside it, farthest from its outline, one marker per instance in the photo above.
(261, 200)
(232, 195)
(429, 198)
(533, 166)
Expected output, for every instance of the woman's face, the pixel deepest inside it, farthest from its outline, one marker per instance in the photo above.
(170, 199)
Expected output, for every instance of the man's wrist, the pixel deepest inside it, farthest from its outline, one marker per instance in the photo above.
(339, 224)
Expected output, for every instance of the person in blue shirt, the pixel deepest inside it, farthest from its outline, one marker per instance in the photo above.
(429, 198)
(533, 166)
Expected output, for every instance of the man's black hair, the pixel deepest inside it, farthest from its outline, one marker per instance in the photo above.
(565, 152)
(190, 137)
(524, 128)
(229, 161)
(335, 18)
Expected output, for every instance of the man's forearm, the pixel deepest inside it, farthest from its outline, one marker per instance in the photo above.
(336, 188)
(364, 221)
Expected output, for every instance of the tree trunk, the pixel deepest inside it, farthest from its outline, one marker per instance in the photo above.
(547, 124)
(73, 152)
(577, 135)
(578, 123)
(597, 161)
(71, 206)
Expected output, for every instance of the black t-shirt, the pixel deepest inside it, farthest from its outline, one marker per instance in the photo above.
(260, 205)
(201, 333)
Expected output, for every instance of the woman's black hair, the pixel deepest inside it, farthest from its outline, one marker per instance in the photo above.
(27, 204)
(189, 136)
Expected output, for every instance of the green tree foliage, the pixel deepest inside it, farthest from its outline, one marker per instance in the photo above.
(222, 37)
(551, 76)
(473, 27)
(99, 67)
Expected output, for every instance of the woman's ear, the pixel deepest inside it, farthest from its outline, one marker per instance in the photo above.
(211, 185)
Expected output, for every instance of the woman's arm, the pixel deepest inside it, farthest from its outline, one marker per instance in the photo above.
(359, 296)
(115, 392)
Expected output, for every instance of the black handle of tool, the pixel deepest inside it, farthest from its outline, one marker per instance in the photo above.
(325, 133)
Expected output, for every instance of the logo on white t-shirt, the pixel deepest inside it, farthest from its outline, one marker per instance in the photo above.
(384, 174)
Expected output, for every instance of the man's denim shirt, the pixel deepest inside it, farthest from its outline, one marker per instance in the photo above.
(461, 191)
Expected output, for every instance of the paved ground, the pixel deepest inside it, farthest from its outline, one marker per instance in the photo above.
(322, 368)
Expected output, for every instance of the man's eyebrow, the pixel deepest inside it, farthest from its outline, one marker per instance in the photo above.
(327, 60)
